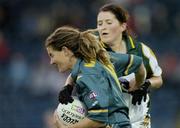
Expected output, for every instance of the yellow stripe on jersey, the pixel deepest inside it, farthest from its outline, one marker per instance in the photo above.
(129, 65)
(131, 41)
(109, 68)
(98, 111)
(91, 64)
(113, 73)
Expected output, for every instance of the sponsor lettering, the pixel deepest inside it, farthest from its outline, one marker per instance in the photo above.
(71, 114)
(68, 119)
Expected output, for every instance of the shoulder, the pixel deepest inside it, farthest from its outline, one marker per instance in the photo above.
(114, 54)
(82, 68)
(147, 51)
(93, 67)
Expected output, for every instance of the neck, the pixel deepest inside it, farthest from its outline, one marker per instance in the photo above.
(119, 46)
(72, 61)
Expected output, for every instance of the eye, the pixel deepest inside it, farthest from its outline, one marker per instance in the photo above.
(51, 55)
(109, 22)
(99, 23)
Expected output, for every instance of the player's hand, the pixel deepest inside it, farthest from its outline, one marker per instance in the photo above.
(140, 94)
(65, 94)
(124, 84)
(57, 122)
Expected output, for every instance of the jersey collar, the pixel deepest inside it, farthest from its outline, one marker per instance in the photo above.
(75, 70)
(130, 44)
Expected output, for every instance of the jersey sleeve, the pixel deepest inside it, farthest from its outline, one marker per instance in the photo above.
(153, 64)
(92, 90)
(125, 64)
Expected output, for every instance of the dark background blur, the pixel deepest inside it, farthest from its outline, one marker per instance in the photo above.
(29, 85)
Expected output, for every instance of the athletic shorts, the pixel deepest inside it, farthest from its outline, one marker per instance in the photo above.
(138, 114)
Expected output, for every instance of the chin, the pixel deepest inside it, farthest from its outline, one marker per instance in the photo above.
(106, 41)
(63, 70)
(60, 70)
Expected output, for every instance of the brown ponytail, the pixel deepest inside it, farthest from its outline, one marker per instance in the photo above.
(84, 45)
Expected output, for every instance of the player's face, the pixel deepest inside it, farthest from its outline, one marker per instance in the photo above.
(110, 29)
(60, 59)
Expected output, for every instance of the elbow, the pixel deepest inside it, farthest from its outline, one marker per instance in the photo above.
(160, 83)
(140, 75)
(143, 73)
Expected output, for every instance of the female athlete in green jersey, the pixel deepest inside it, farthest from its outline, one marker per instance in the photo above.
(112, 26)
(93, 73)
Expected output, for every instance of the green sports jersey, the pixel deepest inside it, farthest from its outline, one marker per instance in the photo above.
(98, 88)
(148, 56)
(125, 64)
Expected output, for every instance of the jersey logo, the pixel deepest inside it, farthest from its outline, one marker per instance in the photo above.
(92, 95)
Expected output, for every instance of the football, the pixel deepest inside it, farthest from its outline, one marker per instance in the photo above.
(72, 112)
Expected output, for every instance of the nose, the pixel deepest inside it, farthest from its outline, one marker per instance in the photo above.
(103, 27)
(100, 27)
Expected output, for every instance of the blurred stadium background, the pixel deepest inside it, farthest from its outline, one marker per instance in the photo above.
(29, 85)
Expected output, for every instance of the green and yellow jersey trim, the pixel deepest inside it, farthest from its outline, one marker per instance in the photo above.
(131, 42)
(90, 64)
(98, 111)
(129, 65)
(113, 73)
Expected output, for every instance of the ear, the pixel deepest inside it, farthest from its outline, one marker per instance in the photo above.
(66, 51)
(123, 26)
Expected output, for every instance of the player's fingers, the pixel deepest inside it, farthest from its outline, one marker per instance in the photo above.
(71, 100)
(55, 116)
(57, 122)
(145, 97)
(55, 119)
(139, 100)
(133, 101)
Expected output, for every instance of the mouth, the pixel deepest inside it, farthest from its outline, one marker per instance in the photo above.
(104, 33)
(55, 65)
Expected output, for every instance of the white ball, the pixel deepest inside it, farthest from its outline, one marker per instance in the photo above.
(72, 112)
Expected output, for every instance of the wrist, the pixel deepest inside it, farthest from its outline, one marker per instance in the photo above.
(69, 87)
(148, 82)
